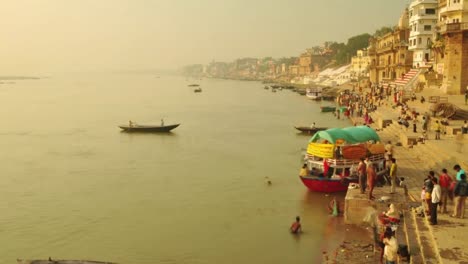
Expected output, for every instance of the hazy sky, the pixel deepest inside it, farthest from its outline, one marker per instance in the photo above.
(48, 36)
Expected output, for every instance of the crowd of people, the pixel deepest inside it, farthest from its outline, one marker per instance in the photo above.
(438, 191)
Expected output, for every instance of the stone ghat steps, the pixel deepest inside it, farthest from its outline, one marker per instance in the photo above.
(430, 253)
(410, 235)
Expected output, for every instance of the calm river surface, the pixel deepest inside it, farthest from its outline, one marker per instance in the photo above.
(74, 187)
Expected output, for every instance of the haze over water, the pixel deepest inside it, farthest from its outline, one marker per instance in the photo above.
(75, 187)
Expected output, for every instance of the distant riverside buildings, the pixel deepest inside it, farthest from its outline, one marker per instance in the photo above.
(428, 47)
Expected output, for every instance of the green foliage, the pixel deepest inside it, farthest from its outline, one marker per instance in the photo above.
(382, 31)
(344, 52)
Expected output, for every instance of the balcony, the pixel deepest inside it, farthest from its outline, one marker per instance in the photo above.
(453, 28)
(385, 49)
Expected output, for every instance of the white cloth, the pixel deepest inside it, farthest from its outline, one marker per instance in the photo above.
(391, 249)
(436, 193)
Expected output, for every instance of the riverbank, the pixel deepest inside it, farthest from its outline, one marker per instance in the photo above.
(441, 243)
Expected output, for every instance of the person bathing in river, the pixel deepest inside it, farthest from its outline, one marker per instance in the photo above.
(162, 121)
(296, 227)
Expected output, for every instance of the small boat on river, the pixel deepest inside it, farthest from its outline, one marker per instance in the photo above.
(193, 85)
(334, 154)
(50, 261)
(310, 130)
(148, 128)
(325, 109)
(197, 90)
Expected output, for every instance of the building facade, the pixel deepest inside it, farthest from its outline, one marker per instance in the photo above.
(389, 54)
(422, 23)
(360, 64)
(451, 45)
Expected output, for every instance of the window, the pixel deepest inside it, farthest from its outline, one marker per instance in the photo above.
(427, 27)
(431, 11)
(419, 41)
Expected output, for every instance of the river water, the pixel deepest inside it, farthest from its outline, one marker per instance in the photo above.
(74, 187)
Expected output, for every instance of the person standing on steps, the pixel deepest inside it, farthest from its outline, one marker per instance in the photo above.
(444, 182)
(460, 192)
(371, 178)
(424, 124)
(466, 95)
(362, 168)
(437, 130)
(436, 193)
(393, 175)
(459, 171)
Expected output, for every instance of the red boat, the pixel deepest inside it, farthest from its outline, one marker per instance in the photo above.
(327, 185)
(334, 154)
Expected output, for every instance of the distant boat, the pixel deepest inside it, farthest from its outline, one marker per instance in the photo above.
(193, 85)
(197, 90)
(314, 95)
(148, 128)
(325, 109)
(310, 130)
(266, 87)
(50, 261)
(301, 92)
(273, 90)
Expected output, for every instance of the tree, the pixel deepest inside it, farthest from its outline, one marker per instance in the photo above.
(382, 31)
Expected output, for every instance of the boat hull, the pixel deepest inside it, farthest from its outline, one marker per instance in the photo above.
(325, 109)
(148, 129)
(310, 130)
(20, 261)
(326, 185)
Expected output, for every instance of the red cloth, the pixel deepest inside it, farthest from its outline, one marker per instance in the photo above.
(326, 167)
(444, 181)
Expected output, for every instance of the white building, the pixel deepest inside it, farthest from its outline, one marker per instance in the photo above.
(360, 64)
(423, 22)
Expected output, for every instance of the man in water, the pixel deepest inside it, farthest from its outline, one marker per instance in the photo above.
(296, 226)
(313, 125)
(162, 122)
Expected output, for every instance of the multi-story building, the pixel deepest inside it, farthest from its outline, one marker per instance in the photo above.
(422, 24)
(360, 64)
(305, 63)
(451, 46)
(389, 54)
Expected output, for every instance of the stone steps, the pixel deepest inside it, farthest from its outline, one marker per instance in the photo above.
(411, 238)
(429, 251)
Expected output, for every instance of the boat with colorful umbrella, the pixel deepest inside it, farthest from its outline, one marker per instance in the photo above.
(333, 155)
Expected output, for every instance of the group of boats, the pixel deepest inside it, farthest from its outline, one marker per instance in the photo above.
(197, 88)
(334, 154)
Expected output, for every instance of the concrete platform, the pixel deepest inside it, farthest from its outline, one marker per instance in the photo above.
(358, 207)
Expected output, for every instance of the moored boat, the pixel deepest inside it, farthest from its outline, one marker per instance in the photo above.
(301, 92)
(148, 128)
(333, 156)
(325, 109)
(50, 261)
(193, 85)
(310, 130)
(314, 95)
(197, 90)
